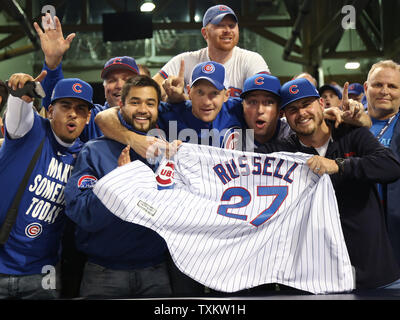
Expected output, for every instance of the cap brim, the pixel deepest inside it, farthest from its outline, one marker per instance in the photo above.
(302, 97)
(91, 105)
(244, 93)
(218, 18)
(216, 84)
(117, 66)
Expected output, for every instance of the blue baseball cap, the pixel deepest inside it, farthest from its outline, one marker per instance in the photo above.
(73, 88)
(261, 81)
(127, 63)
(330, 87)
(216, 13)
(356, 88)
(211, 71)
(295, 90)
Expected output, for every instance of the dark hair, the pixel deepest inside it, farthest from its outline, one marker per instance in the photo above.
(140, 81)
(3, 94)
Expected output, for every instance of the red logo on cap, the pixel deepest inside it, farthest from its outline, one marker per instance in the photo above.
(294, 89)
(223, 8)
(259, 81)
(77, 87)
(117, 60)
(208, 68)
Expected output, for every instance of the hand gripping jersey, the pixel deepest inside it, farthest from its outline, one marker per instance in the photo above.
(236, 220)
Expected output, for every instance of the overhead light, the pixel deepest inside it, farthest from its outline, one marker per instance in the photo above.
(352, 65)
(147, 6)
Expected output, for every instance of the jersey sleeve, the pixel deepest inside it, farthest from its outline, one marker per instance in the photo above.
(19, 117)
(82, 205)
(49, 82)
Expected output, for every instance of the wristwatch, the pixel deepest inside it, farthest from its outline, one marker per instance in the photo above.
(340, 163)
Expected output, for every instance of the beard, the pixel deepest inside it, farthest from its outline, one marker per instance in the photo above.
(149, 124)
(309, 130)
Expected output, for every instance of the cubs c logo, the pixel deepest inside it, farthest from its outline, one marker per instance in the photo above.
(165, 177)
(86, 182)
(208, 68)
(33, 230)
(259, 81)
(223, 8)
(117, 60)
(77, 87)
(294, 89)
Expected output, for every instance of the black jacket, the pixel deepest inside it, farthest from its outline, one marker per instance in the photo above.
(361, 212)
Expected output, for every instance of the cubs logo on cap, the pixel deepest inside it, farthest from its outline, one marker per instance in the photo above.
(165, 175)
(118, 63)
(208, 68)
(86, 182)
(73, 88)
(261, 81)
(216, 13)
(211, 71)
(295, 90)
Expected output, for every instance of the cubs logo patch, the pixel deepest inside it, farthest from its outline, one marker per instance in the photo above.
(294, 89)
(86, 182)
(259, 81)
(231, 140)
(165, 175)
(33, 230)
(208, 68)
(77, 87)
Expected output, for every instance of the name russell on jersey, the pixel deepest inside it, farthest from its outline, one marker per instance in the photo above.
(244, 166)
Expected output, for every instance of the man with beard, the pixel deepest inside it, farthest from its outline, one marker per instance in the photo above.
(117, 251)
(221, 32)
(355, 161)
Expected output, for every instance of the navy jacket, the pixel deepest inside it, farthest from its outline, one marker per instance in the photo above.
(103, 237)
(361, 211)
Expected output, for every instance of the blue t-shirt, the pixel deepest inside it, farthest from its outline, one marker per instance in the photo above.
(385, 139)
(35, 238)
(378, 125)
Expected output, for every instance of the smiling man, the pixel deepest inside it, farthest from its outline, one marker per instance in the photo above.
(35, 237)
(221, 32)
(355, 161)
(382, 90)
(117, 251)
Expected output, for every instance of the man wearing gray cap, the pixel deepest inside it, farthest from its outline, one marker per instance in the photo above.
(221, 32)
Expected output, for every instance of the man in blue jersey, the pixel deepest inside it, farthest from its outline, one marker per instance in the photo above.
(32, 243)
(123, 259)
(382, 90)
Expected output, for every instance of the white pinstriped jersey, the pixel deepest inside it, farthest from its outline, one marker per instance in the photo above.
(236, 220)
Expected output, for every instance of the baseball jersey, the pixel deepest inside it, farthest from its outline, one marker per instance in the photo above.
(242, 65)
(34, 240)
(236, 220)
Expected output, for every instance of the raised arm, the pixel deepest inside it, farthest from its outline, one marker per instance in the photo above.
(54, 47)
(351, 112)
(19, 116)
